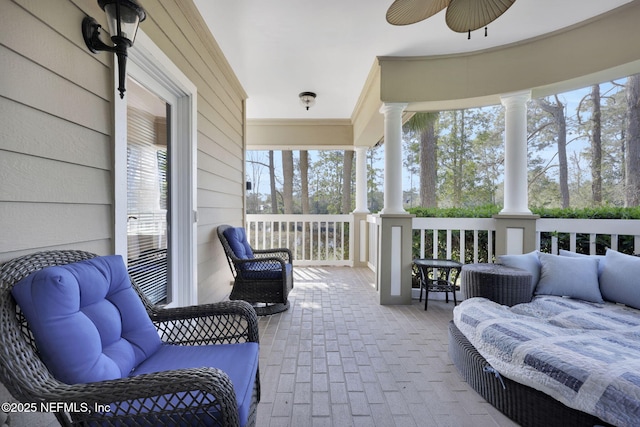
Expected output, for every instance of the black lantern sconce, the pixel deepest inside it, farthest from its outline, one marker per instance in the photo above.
(123, 17)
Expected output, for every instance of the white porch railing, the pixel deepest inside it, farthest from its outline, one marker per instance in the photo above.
(313, 239)
(603, 232)
(328, 239)
(473, 237)
(609, 231)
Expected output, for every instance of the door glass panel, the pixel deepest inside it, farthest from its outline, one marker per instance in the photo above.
(147, 191)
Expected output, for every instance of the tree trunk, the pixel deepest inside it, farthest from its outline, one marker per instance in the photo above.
(557, 112)
(346, 181)
(272, 183)
(632, 184)
(596, 147)
(428, 163)
(304, 181)
(287, 180)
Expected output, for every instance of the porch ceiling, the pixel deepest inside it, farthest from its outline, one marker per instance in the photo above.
(280, 48)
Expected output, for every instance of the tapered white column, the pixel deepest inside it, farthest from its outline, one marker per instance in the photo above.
(361, 180)
(393, 158)
(516, 198)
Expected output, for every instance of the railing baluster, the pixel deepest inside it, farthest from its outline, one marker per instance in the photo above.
(435, 243)
(592, 244)
(475, 246)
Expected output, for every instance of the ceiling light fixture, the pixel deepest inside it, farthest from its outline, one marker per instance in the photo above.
(123, 18)
(462, 16)
(307, 99)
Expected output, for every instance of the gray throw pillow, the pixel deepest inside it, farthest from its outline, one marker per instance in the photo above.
(529, 262)
(601, 258)
(620, 279)
(569, 277)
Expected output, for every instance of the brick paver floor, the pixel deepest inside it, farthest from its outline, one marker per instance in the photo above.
(339, 358)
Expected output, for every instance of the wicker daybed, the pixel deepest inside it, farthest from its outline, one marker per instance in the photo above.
(567, 357)
(524, 405)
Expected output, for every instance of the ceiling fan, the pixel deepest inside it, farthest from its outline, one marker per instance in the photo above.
(462, 15)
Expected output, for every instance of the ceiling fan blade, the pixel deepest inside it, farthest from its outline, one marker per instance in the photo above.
(405, 12)
(469, 15)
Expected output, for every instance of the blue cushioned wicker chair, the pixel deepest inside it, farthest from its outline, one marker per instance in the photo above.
(262, 277)
(74, 330)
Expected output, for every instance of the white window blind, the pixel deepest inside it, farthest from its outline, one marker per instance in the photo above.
(147, 201)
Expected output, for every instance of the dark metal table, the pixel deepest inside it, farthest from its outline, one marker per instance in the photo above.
(442, 277)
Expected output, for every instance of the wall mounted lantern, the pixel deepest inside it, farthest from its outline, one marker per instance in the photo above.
(123, 17)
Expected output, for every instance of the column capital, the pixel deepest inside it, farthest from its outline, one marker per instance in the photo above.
(515, 98)
(389, 107)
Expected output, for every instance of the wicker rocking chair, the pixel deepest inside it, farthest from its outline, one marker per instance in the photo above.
(263, 278)
(186, 395)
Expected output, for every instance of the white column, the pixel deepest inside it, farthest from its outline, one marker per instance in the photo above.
(393, 158)
(516, 199)
(361, 180)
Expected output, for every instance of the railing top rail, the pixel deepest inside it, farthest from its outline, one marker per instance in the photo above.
(300, 217)
(589, 226)
(454, 223)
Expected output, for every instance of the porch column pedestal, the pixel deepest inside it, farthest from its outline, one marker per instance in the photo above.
(360, 241)
(393, 269)
(515, 225)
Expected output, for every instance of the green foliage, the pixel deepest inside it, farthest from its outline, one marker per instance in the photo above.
(604, 212)
(484, 211)
(487, 211)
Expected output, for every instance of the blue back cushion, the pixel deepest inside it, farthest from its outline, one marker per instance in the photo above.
(238, 241)
(88, 322)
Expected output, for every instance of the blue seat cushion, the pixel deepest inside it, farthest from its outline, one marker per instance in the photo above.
(271, 270)
(238, 361)
(88, 322)
(237, 239)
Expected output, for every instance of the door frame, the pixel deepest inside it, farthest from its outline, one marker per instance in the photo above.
(147, 60)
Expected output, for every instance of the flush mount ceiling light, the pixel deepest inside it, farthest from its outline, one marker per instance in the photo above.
(462, 15)
(307, 99)
(123, 18)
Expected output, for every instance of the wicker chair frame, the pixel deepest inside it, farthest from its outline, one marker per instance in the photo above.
(180, 397)
(524, 405)
(256, 280)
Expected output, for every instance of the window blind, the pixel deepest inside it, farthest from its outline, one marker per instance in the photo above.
(147, 197)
